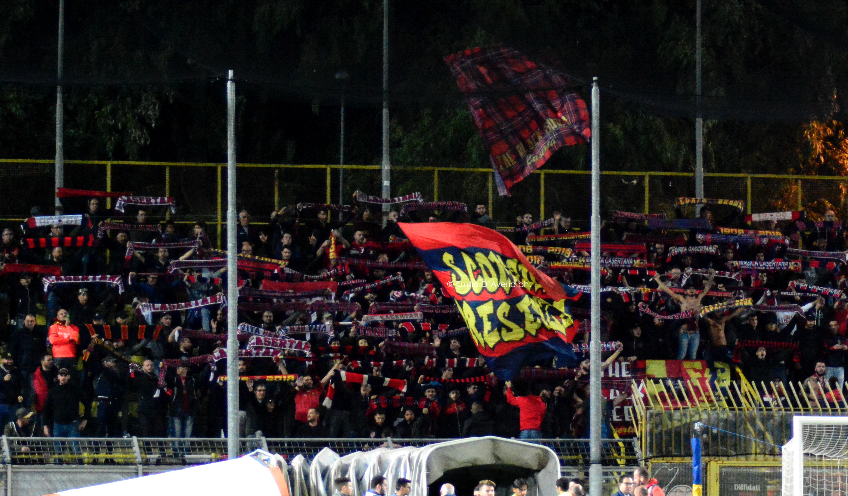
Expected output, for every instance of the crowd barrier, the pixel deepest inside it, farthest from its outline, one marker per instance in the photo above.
(200, 188)
(36, 466)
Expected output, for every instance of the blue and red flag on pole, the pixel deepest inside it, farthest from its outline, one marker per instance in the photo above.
(515, 314)
(525, 111)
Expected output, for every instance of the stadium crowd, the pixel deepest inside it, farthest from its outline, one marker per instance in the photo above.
(117, 319)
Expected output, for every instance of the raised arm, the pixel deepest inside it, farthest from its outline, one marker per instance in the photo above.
(665, 289)
(707, 286)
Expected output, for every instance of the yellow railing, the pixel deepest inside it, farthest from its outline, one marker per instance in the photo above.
(544, 191)
(753, 418)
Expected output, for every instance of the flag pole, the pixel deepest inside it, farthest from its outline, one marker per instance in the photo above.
(596, 403)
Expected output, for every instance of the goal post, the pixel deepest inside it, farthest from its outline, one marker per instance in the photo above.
(815, 460)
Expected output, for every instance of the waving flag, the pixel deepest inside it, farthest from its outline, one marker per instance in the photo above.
(524, 111)
(515, 314)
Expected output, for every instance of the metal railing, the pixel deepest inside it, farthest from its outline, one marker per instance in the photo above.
(744, 419)
(194, 451)
(199, 187)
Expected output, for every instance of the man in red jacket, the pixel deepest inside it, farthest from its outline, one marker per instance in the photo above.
(64, 338)
(531, 413)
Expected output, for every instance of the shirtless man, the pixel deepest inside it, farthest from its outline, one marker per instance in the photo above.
(718, 338)
(690, 301)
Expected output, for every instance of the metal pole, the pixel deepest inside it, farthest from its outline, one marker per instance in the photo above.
(386, 166)
(342, 76)
(699, 121)
(596, 403)
(60, 106)
(232, 278)
(697, 471)
(341, 157)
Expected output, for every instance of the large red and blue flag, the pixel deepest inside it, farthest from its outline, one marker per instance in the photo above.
(525, 111)
(516, 315)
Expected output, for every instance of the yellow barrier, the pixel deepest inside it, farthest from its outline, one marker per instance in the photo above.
(549, 189)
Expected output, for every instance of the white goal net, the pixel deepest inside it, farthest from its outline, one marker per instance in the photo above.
(815, 460)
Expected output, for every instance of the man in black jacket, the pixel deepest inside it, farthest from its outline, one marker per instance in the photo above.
(183, 404)
(109, 387)
(61, 410)
(480, 423)
(312, 429)
(27, 346)
(151, 401)
(11, 389)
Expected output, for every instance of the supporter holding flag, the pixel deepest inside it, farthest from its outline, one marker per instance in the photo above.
(516, 315)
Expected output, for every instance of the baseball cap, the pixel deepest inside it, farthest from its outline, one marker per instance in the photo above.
(24, 413)
(64, 371)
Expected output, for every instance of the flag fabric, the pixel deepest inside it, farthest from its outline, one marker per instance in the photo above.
(525, 111)
(515, 314)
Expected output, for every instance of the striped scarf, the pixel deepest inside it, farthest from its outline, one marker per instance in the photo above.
(359, 364)
(819, 290)
(18, 268)
(361, 262)
(532, 227)
(79, 193)
(279, 344)
(363, 198)
(266, 378)
(62, 241)
(324, 206)
(765, 266)
(49, 220)
(619, 215)
(743, 302)
(409, 349)
(300, 306)
(377, 332)
(248, 330)
(768, 216)
(155, 201)
(749, 232)
(124, 333)
(611, 262)
(212, 264)
(451, 333)
(124, 226)
(382, 283)
(711, 239)
(132, 246)
(206, 336)
(448, 206)
(352, 378)
(115, 281)
(467, 380)
(671, 224)
(643, 308)
(676, 251)
(148, 308)
(274, 353)
(683, 200)
(613, 247)
(392, 316)
(839, 256)
(449, 362)
(543, 238)
(566, 252)
(249, 292)
(378, 308)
